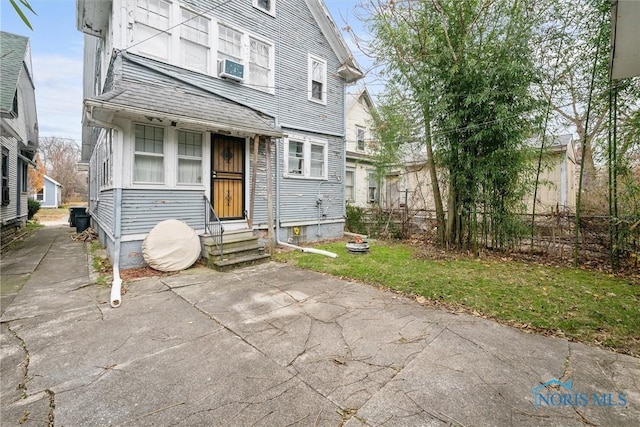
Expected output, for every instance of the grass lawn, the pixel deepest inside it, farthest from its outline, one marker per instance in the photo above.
(587, 306)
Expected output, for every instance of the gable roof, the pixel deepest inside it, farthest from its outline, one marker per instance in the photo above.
(361, 92)
(53, 181)
(13, 49)
(349, 70)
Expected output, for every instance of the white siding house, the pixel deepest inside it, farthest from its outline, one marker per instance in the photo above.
(361, 183)
(185, 103)
(18, 129)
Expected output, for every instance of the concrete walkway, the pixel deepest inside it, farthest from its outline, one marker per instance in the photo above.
(278, 346)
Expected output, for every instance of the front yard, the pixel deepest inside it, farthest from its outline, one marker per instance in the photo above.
(587, 306)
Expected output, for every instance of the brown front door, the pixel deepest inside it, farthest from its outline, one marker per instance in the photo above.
(227, 176)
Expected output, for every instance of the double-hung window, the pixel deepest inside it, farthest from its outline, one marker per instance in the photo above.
(189, 157)
(194, 41)
(148, 163)
(317, 163)
(317, 80)
(229, 44)
(373, 187)
(296, 158)
(349, 186)
(151, 33)
(306, 158)
(259, 64)
(5, 177)
(360, 138)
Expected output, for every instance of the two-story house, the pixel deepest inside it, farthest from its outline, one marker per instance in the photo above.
(18, 129)
(198, 104)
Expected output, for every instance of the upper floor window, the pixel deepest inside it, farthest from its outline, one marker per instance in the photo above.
(360, 137)
(260, 64)
(317, 81)
(229, 43)
(268, 6)
(189, 157)
(194, 41)
(151, 28)
(148, 162)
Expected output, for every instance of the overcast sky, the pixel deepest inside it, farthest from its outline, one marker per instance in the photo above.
(56, 53)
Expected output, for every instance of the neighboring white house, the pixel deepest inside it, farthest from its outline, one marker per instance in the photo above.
(361, 183)
(557, 180)
(50, 195)
(18, 129)
(190, 103)
(409, 184)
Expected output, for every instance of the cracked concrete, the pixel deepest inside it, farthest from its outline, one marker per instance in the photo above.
(275, 346)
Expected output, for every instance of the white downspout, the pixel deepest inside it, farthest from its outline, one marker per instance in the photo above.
(278, 242)
(116, 287)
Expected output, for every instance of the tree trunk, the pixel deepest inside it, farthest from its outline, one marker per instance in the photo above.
(435, 186)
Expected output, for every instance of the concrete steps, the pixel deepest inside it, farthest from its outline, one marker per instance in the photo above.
(240, 249)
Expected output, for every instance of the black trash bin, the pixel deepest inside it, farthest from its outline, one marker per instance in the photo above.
(75, 211)
(82, 222)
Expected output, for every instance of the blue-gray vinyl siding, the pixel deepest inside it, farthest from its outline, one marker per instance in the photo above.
(143, 209)
(104, 211)
(51, 195)
(295, 35)
(298, 197)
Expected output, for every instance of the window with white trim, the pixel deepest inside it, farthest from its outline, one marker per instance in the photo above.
(306, 158)
(194, 41)
(189, 157)
(229, 44)
(360, 137)
(259, 64)
(349, 187)
(317, 163)
(40, 195)
(317, 80)
(151, 33)
(268, 6)
(296, 158)
(373, 187)
(148, 159)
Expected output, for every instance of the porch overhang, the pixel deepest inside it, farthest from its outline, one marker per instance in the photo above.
(173, 106)
(624, 61)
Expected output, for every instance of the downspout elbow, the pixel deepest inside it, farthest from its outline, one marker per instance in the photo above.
(116, 287)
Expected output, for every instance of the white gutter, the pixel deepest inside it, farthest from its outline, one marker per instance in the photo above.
(116, 287)
(278, 242)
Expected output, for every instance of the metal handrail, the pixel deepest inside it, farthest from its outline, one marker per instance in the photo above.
(212, 224)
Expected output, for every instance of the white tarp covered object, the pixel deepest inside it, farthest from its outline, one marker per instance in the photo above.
(171, 246)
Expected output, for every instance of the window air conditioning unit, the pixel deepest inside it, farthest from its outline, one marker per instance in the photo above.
(231, 70)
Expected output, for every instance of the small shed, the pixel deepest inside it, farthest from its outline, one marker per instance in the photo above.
(50, 195)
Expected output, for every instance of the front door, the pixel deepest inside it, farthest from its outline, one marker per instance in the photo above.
(227, 176)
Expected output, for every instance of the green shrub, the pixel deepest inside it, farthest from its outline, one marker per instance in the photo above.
(355, 219)
(34, 207)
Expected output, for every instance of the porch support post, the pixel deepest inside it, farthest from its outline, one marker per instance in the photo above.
(254, 173)
(270, 223)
